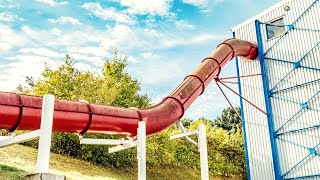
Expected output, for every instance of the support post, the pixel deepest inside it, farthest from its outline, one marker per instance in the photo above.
(45, 134)
(202, 145)
(141, 150)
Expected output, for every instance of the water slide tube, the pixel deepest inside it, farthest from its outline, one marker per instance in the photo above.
(23, 112)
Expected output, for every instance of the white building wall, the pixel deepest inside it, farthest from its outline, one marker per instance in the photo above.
(286, 105)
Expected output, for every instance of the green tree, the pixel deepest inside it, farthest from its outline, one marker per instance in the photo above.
(186, 122)
(229, 119)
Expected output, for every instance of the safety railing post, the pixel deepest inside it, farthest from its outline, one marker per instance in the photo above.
(45, 134)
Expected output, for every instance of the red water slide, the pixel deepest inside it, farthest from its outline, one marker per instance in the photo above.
(23, 112)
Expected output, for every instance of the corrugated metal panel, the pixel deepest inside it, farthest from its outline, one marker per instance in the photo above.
(293, 70)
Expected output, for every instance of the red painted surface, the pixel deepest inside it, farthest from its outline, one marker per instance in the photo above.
(79, 117)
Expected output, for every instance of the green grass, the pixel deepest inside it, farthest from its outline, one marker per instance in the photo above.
(11, 173)
(18, 161)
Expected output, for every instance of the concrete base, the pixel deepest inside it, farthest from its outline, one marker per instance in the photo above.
(45, 176)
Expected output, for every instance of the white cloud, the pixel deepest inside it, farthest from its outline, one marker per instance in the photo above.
(92, 59)
(41, 52)
(132, 59)
(206, 37)
(8, 4)
(69, 38)
(183, 25)
(10, 38)
(147, 39)
(56, 32)
(53, 3)
(65, 20)
(201, 3)
(93, 50)
(157, 71)
(93, 54)
(196, 39)
(149, 55)
(19, 67)
(9, 17)
(40, 46)
(108, 13)
(158, 7)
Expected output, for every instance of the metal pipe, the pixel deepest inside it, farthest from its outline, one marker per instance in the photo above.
(24, 111)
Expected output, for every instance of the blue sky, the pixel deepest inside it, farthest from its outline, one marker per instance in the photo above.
(164, 40)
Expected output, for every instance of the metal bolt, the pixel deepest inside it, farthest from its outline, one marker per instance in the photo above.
(287, 8)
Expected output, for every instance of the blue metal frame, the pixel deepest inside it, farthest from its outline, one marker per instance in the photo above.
(303, 177)
(275, 157)
(242, 117)
(304, 105)
(270, 93)
(298, 85)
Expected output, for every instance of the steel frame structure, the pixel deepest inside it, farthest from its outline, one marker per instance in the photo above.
(276, 134)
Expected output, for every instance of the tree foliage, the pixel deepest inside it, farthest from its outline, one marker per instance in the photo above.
(228, 119)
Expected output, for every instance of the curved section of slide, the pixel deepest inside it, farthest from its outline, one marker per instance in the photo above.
(23, 112)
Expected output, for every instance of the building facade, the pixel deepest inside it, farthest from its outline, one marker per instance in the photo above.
(284, 142)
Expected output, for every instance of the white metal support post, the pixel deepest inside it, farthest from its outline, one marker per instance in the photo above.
(141, 155)
(202, 146)
(45, 134)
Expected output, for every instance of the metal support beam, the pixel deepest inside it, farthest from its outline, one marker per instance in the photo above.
(45, 134)
(185, 134)
(122, 144)
(122, 147)
(183, 129)
(10, 140)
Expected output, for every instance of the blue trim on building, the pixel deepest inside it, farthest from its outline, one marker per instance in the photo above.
(242, 117)
(275, 157)
(303, 177)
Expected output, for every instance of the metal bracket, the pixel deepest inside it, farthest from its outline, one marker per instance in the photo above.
(184, 134)
(201, 144)
(122, 144)
(13, 139)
